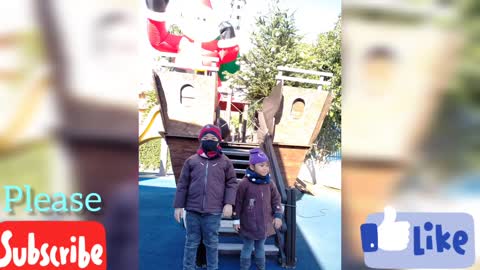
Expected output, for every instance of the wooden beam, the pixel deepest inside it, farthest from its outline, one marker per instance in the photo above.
(304, 71)
(174, 55)
(302, 80)
(207, 68)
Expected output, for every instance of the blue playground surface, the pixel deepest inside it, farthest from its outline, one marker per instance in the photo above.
(162, 239)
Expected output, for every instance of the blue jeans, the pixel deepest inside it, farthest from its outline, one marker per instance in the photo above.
(248, 246)
(199, 225)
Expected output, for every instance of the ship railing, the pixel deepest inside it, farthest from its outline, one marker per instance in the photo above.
(171, 63)
(285, 238)
(321, 77)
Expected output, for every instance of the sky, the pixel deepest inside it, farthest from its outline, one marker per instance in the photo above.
(312, 17)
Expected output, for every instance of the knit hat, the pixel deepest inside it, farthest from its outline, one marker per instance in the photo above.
(212, 129)
(257, 156)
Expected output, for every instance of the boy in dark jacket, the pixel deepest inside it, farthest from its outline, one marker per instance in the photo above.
(258, 210)
(206, 189)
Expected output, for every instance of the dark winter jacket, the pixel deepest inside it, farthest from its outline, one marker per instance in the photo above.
(256, 205)
(206, 185)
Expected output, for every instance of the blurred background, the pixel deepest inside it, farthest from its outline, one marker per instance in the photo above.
(68, 120)
(410, 111)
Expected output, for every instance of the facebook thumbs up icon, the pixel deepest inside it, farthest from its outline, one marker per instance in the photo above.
(390, 235)
(406, 240)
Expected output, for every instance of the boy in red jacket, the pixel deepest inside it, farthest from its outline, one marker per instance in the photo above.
(206, 189)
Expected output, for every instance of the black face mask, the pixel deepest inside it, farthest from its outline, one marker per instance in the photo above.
(209, 146)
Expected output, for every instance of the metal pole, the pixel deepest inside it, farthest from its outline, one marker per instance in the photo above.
(244, 123)
(229, 106)
(290, 241)
(287, 233)
(293, 203)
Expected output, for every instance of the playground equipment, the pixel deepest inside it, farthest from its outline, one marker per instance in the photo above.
(186, 82)
(291, 118)
(152, 126)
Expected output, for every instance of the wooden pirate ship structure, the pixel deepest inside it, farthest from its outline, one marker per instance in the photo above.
(290, 118)
(186, 81)
(289, 121)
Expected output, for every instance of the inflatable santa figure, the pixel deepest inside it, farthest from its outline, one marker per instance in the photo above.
(202, 36)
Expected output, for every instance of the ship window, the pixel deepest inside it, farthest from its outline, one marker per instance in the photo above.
(379, 70)
(298, 108)
(187, 95)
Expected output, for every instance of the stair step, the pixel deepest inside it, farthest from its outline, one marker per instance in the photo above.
(240, 171)
(226, 223)
(238, 145)
(236, 152)
(226, 228)
(231, 248)
(227, 231)
(240, 162)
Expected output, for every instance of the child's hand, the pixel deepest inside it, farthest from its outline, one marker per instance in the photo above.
(277, 223)
(178, 214)
(236, 227)
(227, 210)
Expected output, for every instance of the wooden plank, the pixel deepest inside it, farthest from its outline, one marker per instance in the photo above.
(240, 162)
(180, 149)
(226, 223)
(323, 114)
(236, 152)
(290, 161)
(227, 230)
(286, 132)
(174, 55)
(207, 68)
(304, 71)
(302, 80)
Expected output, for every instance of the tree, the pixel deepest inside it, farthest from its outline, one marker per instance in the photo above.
(466, 90)
(326, 55)
(275, 43)
(453, 147)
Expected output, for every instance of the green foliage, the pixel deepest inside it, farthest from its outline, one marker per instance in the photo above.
(276, 42)
(175, 29)
(453, 146)
(466, 90)
(29, 165)
(149, 152)
(149, 155)
(325, 54)
(152, 101)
